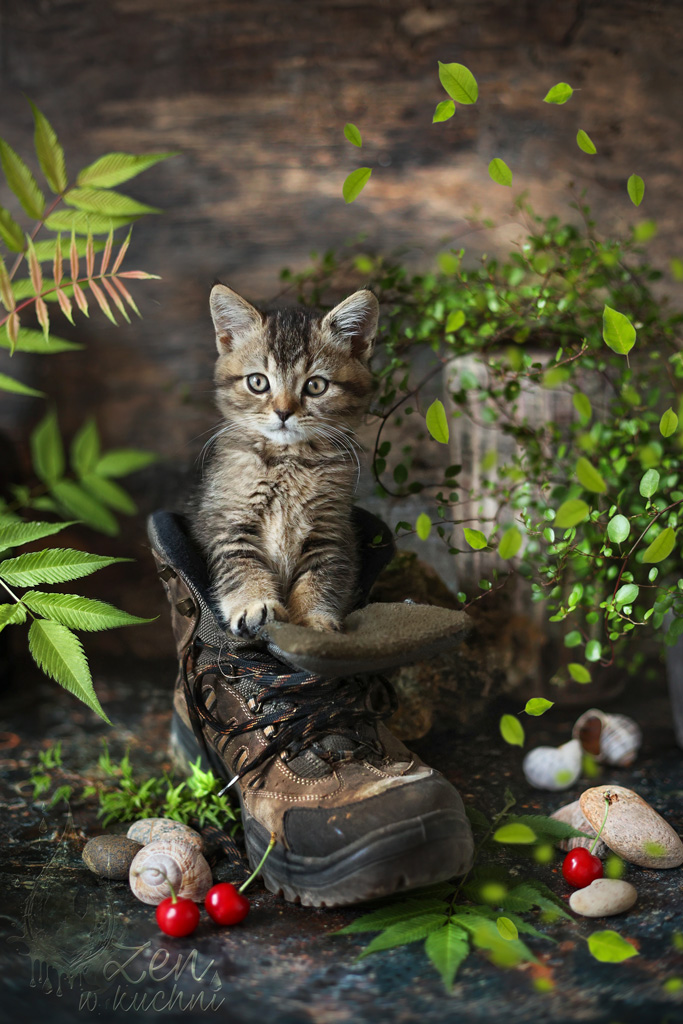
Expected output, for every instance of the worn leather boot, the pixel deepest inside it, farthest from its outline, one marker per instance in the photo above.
(354, 813)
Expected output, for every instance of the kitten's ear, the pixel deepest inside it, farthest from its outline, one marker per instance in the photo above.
(233, 317)
(355, 321)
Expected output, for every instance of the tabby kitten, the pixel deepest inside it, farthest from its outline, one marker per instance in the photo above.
(273, 515)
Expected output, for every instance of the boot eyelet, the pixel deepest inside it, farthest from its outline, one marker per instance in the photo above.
(254, 705)
(270, 730)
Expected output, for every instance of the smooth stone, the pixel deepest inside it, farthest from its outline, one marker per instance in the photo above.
(571, 814)
(633, 830)
(147, 830)
(110, 856)
(603, 898)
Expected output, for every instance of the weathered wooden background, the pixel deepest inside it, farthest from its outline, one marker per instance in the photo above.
(254, 96)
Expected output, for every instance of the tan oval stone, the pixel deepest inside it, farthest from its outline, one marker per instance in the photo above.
(603, 898)
(633, 829)
(110, 856)
(571, 814)
(147, 830)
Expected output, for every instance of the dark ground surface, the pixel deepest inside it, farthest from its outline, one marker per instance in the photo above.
(283, 964)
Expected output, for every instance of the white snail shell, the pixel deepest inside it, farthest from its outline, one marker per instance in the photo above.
(610, 739)
(553, 767)
(169, 860)
(571, 814)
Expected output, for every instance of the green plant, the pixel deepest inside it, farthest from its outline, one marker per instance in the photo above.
(484, 909)
(63, 270)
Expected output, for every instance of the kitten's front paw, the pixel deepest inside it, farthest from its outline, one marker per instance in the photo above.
(323, 621)
(245, 619)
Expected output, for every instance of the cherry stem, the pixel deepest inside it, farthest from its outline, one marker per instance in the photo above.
(150, 867)
(260, 864)
(604, 820)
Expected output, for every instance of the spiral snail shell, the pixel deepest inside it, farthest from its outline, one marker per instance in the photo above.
(148, 830)
(571, 814)
(169, 860)
(610, 739)
(553, 767)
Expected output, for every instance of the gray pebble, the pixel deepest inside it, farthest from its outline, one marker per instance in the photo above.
(110, 856)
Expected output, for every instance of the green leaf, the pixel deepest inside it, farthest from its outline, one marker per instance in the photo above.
(45, 251)
(58, 652)
(516, 834)
(626, 594)
(29, 340)
(649, 483)
(635, 186)
(538, 706)
(52, 565)
(546, 830)
(582, 404)
(84, 223)
(475, 538)
(423, 526)
(511, 730)
(618, 529)
(403, 932)
(589, 477)
(85, 448)
(644, 230)
(661, 547)
(122, 461)
(447, 948)
(668, 424)
(79, 612)
(355, 183)
(107, 203)
(559, 94)
(455, 321)
(437, 422)
(385, 916)
(609, 947)
(15, 533)
(443, 111)
(571, 513)
(579, 672)
(510, 543)
(593, 650)
(17, 388)
(114, 168)
(507, 929)
(676, 268)
(11, 615)
(47, 451)
(573, 639)
(109, 493)
(617, 331)
(500, 172)
(50, 153)
(584, 142)
(353, 135)
(459, 83)
(79, 503)
(10, 232)
(22, 182)
(485, 935)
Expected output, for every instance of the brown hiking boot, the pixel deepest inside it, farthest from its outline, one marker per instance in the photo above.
(355, 814)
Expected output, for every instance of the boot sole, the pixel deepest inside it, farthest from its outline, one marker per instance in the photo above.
(405, 855)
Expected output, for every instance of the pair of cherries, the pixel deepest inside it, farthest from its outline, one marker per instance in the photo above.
(225, 904)
(179, 916)
(581, 867)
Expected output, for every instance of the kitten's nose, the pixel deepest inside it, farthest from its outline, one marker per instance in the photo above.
(284, 414)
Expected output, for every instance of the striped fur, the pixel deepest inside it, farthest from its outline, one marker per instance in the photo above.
(273, 514)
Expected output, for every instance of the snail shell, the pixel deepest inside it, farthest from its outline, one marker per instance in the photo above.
(610, 739)
(169, 860)
(553, 767)
(571, 814)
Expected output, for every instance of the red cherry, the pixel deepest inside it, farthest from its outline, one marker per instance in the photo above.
(177, 918)
(580, 867)
(225, 904)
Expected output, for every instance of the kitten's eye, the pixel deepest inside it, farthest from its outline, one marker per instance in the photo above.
(315, 386)
(258, 383)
